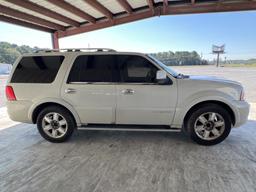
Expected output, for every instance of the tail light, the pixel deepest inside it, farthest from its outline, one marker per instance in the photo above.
(10, 93)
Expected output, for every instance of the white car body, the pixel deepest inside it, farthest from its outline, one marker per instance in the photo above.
(106, 103)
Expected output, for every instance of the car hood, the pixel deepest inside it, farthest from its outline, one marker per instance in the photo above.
(214, 79)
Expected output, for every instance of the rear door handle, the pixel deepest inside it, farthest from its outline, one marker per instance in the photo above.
(128, 92)
(69, 90)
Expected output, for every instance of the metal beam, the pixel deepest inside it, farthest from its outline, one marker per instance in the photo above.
(108, 23)
(99, 7)
(165, 6)
(211, 7)
(70, 8)
(31, 18)
(24, 24)
(44, 11)
(151, 6)
(55, 41)
(126, 6)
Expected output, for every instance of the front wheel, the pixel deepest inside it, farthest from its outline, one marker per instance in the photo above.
(209, 125)
(55, 124)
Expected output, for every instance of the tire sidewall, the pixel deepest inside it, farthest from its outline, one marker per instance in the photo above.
(65, 114)
(204, 109)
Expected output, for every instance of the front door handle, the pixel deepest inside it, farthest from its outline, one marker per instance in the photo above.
(69, 90)
(128, 92)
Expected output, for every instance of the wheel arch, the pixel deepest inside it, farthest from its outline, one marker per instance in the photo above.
(220, 103)
(36, 110)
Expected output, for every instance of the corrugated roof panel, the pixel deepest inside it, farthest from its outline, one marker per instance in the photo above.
(85, 7)
(57, 9)
(112, 5)
(28, 11)
(137, 3)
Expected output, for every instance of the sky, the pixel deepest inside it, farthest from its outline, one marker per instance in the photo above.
(237, 30)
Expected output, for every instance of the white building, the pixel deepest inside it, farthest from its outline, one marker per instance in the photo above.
(5, 68)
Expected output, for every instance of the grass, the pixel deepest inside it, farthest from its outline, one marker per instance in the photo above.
(240, 65)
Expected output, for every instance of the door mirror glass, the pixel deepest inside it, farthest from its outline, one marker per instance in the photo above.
(161, 75)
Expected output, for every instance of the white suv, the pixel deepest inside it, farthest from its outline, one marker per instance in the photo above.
(61, 90)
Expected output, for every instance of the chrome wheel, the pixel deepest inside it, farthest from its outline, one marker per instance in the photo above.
(54, 125)
(209, 126)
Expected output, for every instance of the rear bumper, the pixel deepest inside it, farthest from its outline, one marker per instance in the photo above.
(19, 110)
(242, 109)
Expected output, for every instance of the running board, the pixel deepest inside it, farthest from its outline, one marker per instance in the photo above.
(104, 128)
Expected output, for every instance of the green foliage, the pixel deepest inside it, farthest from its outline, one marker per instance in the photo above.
(10, 52)
(180, 58)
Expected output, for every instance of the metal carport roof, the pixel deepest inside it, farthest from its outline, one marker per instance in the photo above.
(69, 17)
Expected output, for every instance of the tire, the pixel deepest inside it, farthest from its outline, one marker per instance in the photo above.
(55, 128)
(212, 131)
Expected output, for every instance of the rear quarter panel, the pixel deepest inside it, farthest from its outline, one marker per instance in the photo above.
(30, 95)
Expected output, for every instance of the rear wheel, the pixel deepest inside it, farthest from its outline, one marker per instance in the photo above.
(55, 124)
(209, 125)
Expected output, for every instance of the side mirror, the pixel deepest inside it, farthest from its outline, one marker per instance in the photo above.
(161, 75)
(162, 78)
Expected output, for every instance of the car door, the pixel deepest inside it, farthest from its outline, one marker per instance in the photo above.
(140, 98)
(89, 89)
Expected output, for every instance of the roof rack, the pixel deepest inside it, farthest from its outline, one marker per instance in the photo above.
(75, 50)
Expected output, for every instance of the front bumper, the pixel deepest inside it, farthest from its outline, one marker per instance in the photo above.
(241, 109)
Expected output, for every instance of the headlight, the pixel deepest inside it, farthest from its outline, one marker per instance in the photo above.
(242, 96)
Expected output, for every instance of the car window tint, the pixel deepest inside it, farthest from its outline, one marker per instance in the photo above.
(38, 69)
(92, 68)
(136, 69)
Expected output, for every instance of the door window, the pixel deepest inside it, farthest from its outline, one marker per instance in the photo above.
(91, 68)
(136, 69)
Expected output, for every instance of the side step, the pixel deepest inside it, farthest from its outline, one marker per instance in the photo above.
(129, 128)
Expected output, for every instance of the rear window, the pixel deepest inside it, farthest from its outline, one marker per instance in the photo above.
(38, 69)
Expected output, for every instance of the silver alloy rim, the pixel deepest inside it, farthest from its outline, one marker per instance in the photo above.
(209, 126)
(54, 125)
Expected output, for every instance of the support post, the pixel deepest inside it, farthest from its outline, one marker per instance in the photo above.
(218, 60)
(55, 40)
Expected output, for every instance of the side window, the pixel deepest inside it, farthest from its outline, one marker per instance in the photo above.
(136, 69)
(38, 69)
(91, 68)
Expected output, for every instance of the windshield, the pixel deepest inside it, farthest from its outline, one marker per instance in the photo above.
(165, 67)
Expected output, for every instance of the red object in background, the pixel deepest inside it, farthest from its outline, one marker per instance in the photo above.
(10, 95)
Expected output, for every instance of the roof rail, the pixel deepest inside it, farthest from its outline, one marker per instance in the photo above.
(75, 50)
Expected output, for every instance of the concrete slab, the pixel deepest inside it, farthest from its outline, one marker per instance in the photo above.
(127, 161)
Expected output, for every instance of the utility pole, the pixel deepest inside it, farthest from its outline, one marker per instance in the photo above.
(218, 50)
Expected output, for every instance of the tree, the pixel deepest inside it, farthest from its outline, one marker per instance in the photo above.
(10, 52)
(180, 58)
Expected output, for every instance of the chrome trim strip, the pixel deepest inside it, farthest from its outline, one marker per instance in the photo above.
(114, 83)
(128, 129)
